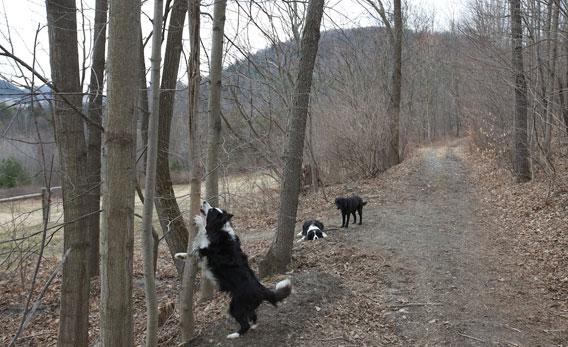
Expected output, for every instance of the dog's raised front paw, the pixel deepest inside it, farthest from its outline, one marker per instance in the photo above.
(199, 221)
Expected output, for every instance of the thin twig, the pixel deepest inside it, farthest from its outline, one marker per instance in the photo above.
(42, 293)
(472, 337)
(415, 304)
(36, 271)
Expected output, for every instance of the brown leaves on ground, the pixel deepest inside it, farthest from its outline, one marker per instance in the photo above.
(349, 304)
(530, 220)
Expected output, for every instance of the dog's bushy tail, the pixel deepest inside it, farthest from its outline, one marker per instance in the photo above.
(364, 203)
(279, 293)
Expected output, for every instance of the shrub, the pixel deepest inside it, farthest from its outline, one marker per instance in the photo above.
(12, 173)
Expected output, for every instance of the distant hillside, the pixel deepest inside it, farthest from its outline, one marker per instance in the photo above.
(258, 88)
(11, 93)
(8, 91)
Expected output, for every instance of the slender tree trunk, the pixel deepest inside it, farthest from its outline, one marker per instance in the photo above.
(70, 139)
(173, 226)
(94, 134)
(314, 170)
(187, 323)
(396, 87)
(143, 114)
(521, 161)
(118, 175)
(564, 94)
(552, 58)
(152, 150)
(457, 98)
(563, 105)
(279, 254)
(143, 117)
(214, 130)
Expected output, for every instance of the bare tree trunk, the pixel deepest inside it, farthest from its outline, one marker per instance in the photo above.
(563, 81)
(396, 87)
(70, 139)
(564, 88)
(143, 114)
(563, 106)
(173, 225)
(552, 58)
(313, 167)
(118, 175)
(214, 130)
(279, 254)
(393, 109)
(95, 113)
(150, 183)
(187, 323)
(521, 161)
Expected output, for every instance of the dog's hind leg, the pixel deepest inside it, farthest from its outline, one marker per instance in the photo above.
(241, 317)
(253, 319)
(354, 218)
(360, 215)
(347, 220)
(245, 326)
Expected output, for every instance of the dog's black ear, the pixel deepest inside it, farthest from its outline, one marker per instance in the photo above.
(228, 216)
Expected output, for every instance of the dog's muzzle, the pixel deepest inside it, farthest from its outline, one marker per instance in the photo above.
(205, 207)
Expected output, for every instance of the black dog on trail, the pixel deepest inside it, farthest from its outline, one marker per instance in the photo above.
(348, 207)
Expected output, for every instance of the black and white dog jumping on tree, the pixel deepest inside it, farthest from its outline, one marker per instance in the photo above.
(227, 266)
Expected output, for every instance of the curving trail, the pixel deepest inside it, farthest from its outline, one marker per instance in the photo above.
(456, 282)
(438, 279)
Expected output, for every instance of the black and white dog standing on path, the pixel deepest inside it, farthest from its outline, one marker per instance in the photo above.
(348, 206)
(312, 230)
(227, 265)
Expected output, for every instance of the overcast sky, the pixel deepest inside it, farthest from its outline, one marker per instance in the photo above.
(19, 19)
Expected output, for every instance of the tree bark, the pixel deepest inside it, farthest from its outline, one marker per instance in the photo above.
(119, 175)
(187, 322)
(95, 113)
(551, 64)
(214, 129)
(143, 114)
(70, 140)
(279, 254)
(521, 160)
(150, 182)
(564, 88)
(395, 34)
(173, 226)
(396, 87)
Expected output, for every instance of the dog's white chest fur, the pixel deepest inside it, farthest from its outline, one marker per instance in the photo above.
(201, 239)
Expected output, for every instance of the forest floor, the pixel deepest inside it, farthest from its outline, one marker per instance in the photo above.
(450, 252)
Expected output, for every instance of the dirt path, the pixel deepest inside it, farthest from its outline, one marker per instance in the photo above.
(442, 279)
(445, 266)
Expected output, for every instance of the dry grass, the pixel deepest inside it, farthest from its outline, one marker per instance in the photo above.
(21, 219)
